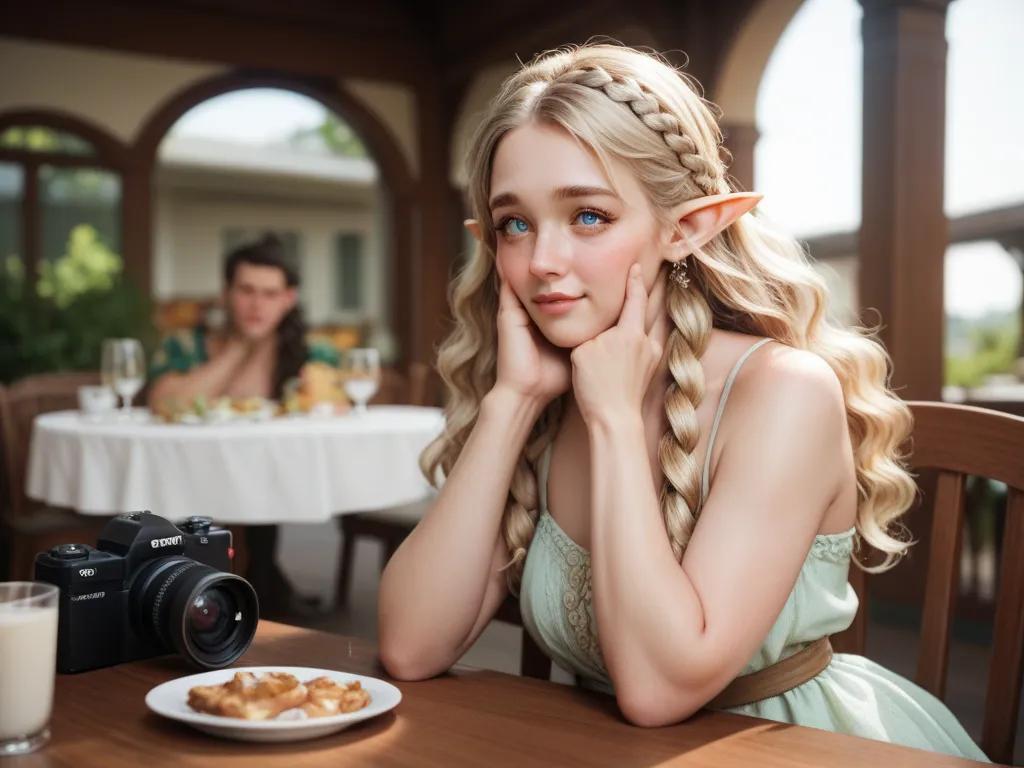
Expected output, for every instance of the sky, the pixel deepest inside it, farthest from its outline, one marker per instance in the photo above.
(808, 159)
(820, 54)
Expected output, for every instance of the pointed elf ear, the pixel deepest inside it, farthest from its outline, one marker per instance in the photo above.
(474, 228)
(702, 218)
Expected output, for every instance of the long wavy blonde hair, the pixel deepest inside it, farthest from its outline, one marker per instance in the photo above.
(633, 106)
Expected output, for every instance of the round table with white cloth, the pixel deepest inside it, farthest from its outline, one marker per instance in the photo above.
(286, 470)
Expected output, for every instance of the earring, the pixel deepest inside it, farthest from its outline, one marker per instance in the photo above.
(678, 274)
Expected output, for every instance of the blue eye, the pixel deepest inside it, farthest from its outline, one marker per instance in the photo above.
(590, 218)
(514, 226)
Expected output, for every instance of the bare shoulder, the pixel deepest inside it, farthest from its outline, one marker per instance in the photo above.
(782, 385)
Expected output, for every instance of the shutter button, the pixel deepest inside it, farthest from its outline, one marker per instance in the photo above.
(70, 552)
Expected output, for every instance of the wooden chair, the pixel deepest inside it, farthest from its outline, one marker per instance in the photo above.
(28, 526)
(392, 526)
(533, 662)
(959, 441)
(389, 526)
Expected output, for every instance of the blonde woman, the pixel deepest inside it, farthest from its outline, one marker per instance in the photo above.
(655, 435)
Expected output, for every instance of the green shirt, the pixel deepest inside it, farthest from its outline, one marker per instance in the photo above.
(183, 350)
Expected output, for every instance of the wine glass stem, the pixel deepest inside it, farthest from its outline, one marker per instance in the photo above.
(127, 407)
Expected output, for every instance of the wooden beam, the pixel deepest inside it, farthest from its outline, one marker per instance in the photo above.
(236, 39)
(740, 141)
(1005, 225)
(560, 27)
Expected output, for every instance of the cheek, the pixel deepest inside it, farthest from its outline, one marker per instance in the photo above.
(604, 266)
(516, 269)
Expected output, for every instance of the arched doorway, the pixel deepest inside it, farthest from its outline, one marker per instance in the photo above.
(391, 197)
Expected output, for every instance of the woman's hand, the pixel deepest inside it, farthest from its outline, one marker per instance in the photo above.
(611, 372)
(528, 364)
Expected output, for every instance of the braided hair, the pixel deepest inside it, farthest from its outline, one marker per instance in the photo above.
(635, 108)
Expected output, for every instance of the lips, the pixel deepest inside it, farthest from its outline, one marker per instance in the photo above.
(548, 298)
(556, 303)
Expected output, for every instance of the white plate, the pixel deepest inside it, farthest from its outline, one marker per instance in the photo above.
(171, 700)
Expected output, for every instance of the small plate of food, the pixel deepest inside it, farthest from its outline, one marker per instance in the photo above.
(273, 703)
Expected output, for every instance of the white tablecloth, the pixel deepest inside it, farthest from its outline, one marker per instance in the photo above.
(285, 470)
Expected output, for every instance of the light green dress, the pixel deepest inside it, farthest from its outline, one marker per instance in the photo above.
(852, 695)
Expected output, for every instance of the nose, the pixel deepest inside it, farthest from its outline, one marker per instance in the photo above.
(552, 255)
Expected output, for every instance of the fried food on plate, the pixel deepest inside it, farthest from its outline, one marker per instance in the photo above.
(267, 696)
(326, 697)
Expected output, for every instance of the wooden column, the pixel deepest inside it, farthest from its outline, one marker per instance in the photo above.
(432, 215)
(31, 223)
(740, 140)
(904, 233)
(1014, 244)
(137, 224)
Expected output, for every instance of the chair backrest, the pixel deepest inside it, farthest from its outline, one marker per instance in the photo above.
(959, 441)
(392, 388)
(416, 388)
(420, 380)
(20, 403)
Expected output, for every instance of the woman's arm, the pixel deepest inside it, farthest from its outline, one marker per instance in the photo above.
(673, 637)
(443, 585)
(210, 379)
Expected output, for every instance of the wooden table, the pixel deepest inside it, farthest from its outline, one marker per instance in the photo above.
(469, 717)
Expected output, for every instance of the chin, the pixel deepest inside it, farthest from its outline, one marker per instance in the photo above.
(255, 334)
(568, 337)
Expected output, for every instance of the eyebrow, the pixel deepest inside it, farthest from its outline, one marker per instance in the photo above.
(562, 193)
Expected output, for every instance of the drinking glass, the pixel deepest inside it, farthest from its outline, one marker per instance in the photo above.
(361, 371)
(124, 367)
(28, 664)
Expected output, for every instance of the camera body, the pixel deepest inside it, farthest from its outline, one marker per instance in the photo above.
(143, 589)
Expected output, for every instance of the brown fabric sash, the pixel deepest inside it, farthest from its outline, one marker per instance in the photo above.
(777, 679)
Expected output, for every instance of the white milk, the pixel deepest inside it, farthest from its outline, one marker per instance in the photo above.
(28, 664)
(360, 389)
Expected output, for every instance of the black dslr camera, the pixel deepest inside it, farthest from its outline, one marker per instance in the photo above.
(146, 589)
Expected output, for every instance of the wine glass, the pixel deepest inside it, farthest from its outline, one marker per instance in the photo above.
(362, 376)
(124, 366)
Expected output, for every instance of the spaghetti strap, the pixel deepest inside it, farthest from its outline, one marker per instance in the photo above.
(706, 476)
(542, 477)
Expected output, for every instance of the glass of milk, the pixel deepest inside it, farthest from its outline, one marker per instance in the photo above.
(28, 663)
(361, 371)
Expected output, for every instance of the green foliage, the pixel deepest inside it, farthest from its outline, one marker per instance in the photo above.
(38, 138)
(88, 266)
(334, 134)
(995, 350)
(60, 322)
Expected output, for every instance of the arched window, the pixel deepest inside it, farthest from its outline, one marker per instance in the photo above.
(59, 182)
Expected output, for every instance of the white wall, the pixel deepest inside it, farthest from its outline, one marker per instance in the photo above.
(115, 91)
(395, 106)
(120, 91)
(189, 238)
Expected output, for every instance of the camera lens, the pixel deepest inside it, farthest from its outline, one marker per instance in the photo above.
(205, 615)
(210, 619)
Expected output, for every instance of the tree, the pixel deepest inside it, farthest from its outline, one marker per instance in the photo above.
(333, 135)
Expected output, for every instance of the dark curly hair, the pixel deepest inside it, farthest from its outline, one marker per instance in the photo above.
(292, 348)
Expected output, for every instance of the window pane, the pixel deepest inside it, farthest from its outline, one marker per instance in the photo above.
(78, 199)
(38, 138)
(12, 186)
(349, 272)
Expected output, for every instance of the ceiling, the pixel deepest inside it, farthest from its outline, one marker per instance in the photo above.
(395, 38)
